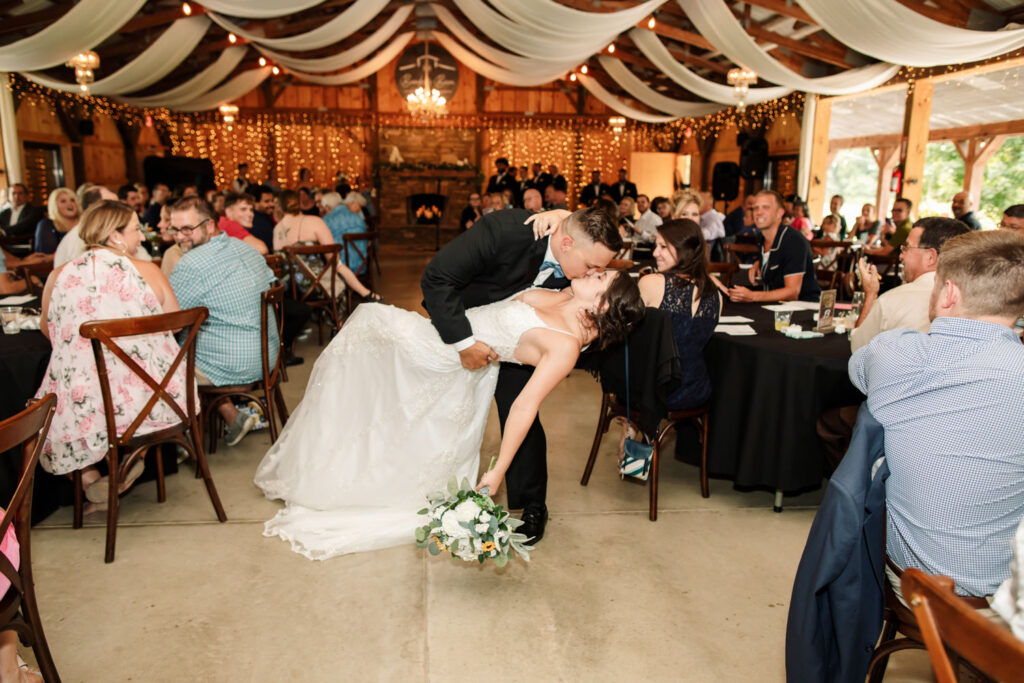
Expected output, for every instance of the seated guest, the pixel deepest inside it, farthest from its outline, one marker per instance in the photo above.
(143, 194)
(712, 221)
(104, 283)
(160, 196)
(900, 229)
(173, 253)
(835, 205)
(227, 276)
(472, 213)
(71, 245)
(952, 404)
(61, 215)
(130, 196)
(663, 207)
(905, 306)
(307, 205)
(345, 219)
(686, 204)
(733, 221)
(497, 200)
(216, 200)
(263, 216)
(962, 207)
(532, 200)
(829, 230)
(800, 220)
(9, 284)
(554, 194)
(508, 196)
(1013, 219)
(865, 228)
(21, 217)
(297, 228)
(237, 220)
(648, 222)
(627, 207)
(785, 271)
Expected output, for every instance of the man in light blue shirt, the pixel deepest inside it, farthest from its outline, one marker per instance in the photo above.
(348, 218)
(952, 404)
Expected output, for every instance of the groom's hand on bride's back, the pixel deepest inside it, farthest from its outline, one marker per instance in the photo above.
(477, 356)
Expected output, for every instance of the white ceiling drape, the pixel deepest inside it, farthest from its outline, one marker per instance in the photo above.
(715, 21)
(259, 9)
(522, 79)
(195, 86)
(82, 28)
(332, 31)
(652, 98)
(371, 66)
(347, 57)
(232, 90)
(159, 59)
(545, 14)
(652, 48)
(891, 32)
(617, 105)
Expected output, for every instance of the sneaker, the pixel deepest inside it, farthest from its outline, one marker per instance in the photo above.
(242, 425)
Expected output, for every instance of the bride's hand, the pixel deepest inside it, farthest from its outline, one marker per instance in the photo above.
(492, 480)
(545, 222)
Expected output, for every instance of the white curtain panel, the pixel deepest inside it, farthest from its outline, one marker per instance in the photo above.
(232, 90)
(715, 21)
(258, 9)
(159, 59)
(332, 31)
(652, 98)
(371, 66)
(503, 59)
(617, 105)
(347, 57)
(546, 14)
(83, 27)
(530, 41)
(9, 131)
(652, 48)
(522, 79)
(195, 86)
(891, 32)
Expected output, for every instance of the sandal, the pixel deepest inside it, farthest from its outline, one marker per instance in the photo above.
(98, 491)
(373, 298)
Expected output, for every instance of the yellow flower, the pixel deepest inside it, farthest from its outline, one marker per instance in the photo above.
(487, 547)
(440, 546)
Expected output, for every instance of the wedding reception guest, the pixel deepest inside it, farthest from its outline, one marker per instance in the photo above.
(173, 253)
(9, 284)
(472, 213)
(501, 178)
(532, 201)
(72, 245)
(866, 227)
(686, 204)
(522, 182)
(129, 194)
(508, 198)
(622, 188)
(263, 215)
(592, 190)
(341, 184)
(801, 222)
(952, 401)
(61, 215)
(369, 209)
(785, 271)
(539, 178)
(963, 210)
(348, 218)
(1013, 219)
(663, 207)
(22, 217)
(901, 228)
(712, 221)
(829, 231)
(648, 222)
(104, 283)
(159, 197)
(554, 195)
(218, 201)
(240, 185)
(306, 177)
(307, 206)
(513, 197)
(143, 194)
(496, 201)
(557, 179)
(627, 226)
(237, 220)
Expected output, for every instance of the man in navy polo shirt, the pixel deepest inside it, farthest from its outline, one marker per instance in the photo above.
(785, 271)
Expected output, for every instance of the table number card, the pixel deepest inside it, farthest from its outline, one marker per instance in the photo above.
(826, 309)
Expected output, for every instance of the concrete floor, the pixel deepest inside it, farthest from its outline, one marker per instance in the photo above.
(699, 595)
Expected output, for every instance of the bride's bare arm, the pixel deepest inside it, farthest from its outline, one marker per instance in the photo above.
(557, 360)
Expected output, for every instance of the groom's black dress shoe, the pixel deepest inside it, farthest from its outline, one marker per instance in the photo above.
(534, 517)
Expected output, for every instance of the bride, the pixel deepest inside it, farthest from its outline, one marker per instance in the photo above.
(390, 414)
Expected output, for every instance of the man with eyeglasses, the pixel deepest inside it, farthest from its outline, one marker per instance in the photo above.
(905, 306)
(227, 276)
(1013, 219)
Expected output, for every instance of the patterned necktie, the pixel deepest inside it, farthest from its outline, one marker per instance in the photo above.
(554, 266)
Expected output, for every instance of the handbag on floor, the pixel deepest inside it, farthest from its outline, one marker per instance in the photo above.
(637, 455)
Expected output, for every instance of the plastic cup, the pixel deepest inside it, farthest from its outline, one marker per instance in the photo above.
(782, 319)
(10, 316)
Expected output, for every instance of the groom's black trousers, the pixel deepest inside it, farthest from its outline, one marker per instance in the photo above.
(526, 480)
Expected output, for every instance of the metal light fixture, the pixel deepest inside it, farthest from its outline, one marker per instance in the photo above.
(84, 63)
(740, 79)
(426, 102)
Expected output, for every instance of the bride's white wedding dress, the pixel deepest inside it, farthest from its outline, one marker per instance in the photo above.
(389, 415)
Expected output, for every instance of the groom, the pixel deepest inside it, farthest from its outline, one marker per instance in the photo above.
(494, 259)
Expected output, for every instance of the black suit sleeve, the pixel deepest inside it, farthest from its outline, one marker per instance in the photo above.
(455, 266)
(26, 224)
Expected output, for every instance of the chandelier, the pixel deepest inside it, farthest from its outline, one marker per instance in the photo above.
(426, 102)
(228, 113)
(84, 63)
(740, 79)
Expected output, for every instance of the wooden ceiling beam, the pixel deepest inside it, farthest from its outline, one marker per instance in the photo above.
(678, 34)
(937, 13)
(785, 8)
(40, 18)
(161, 18)
(829, 56)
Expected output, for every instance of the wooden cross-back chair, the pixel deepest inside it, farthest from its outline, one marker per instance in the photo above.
(19, 611)
(319, 295)
(736, 251)
(186, 433)
(369, 256)
(265, 391)
(278, 264)
(34, 275)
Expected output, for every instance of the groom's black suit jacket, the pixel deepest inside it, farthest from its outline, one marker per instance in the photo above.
(494, 259)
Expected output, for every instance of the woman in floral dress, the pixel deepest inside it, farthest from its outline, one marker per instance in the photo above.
(104, 283)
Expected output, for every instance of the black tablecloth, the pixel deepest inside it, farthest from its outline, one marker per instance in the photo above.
(768, 393)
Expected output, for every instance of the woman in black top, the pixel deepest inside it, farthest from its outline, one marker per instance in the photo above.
(472, 213)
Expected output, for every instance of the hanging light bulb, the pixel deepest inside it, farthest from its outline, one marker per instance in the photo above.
(583, 69)
(263, 61)
(611, 49)
(275, 71)
(232, 38)
(186, 9)
(228, 113)
(572, 77)
(84, 63)
(651, 23)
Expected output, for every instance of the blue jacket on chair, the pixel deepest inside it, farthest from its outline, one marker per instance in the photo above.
(836, 610)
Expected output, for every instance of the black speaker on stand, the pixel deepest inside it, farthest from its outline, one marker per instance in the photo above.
(725, 181)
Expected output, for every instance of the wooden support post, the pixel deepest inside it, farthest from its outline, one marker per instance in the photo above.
(915, 134)
(887, 159)
(976, 152)
(819, 152)
(130, 138)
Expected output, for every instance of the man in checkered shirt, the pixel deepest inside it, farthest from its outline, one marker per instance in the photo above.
(952, 405)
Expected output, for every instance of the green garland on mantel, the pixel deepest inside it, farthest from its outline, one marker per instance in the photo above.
(425, 166)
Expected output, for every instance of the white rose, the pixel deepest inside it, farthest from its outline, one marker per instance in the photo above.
(450, 524)
(481, 528)
(484, 516)
(467, 511)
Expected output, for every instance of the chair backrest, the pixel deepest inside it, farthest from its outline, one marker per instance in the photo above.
(297, 265)
(103, 333)
(726, 270)
(27, 429)
(831, 244)
(734, 250)
(32, 273)
(277, 263)
(271, 299)
(620, 264)
(351, 240)
(944, 619)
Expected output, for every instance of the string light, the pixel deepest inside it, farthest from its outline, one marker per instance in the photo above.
(186, 9)
(572, 77)
(232, 38)
(275, 71)
(263, 61)
(583, 69)
(651, 23)
(611, 49)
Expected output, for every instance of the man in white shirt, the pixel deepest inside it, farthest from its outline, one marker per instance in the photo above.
(71, 245)
(712, 221)
(905, 306)
(647, 224)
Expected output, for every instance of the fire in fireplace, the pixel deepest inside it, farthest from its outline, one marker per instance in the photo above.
(425, 208)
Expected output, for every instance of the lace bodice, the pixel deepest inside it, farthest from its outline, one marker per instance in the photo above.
(501, 324)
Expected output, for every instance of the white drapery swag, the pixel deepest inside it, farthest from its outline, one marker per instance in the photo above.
(349, 56)
(522, 79)
(199, 84)
(652, 98)
(232, 90)
(615, 104)
(886, 30)
(84, 26)
(332, 31)
(259, 9)
(544, 14)
(159, 59)
(652, 48)
(371, 66)
(715, 21)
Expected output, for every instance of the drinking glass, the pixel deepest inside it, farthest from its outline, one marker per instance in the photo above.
(10, 316)
(858, 302)
(782, 319)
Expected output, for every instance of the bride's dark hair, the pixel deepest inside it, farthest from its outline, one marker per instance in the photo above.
(619, 308)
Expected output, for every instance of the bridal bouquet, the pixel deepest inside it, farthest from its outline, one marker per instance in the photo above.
(469, 525)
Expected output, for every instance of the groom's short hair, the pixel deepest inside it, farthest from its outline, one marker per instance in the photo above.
(597, 225)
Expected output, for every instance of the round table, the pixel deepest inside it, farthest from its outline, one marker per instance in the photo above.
(769, 390)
